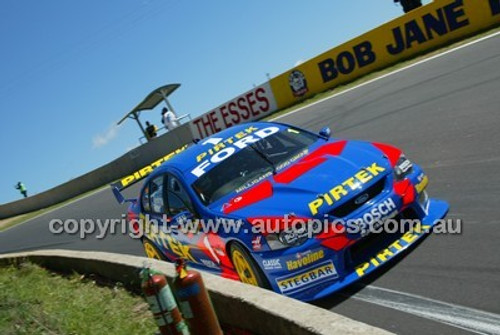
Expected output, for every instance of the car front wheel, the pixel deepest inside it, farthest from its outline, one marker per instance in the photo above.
(246, 268)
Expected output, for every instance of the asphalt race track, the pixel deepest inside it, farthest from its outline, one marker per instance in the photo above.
(445, 114)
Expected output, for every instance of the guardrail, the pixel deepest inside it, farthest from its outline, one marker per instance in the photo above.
(247, 307)
(163, 130)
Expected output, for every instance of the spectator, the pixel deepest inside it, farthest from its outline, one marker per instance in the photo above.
(409, 5)
(169, 119)
(20, 186)
(151, 130)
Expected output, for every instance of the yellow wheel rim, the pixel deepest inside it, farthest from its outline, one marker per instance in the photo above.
(244, 269)
(151, 251)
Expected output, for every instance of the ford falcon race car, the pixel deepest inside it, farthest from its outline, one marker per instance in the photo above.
(283, 208)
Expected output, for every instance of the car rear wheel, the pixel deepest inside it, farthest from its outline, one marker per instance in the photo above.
(246, 268)
(151, 250)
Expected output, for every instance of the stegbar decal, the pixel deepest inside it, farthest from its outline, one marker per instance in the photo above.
(324, 272)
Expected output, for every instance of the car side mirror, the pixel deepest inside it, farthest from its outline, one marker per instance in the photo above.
(325, 133)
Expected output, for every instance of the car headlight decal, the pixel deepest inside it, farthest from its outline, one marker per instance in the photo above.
(402, 168)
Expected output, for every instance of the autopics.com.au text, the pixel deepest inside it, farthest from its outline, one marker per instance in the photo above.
(146, 226)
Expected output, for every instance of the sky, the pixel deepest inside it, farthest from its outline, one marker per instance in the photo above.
(69, 70)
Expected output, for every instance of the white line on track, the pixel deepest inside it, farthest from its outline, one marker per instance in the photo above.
(466, 318)
(389, 74)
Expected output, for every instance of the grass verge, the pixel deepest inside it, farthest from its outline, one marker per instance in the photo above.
(374, 75)
(36, 301)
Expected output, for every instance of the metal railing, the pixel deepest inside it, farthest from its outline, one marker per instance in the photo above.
(163, 129)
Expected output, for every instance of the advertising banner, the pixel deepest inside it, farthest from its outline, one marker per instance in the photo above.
(252, 105)
(425, 28)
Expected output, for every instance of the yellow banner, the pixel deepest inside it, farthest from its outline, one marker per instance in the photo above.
(145, 171)
(423, 29)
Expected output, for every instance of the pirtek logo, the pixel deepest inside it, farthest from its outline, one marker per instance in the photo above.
(348, 186)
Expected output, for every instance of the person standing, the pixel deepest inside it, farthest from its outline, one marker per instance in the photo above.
(151, 130)
(169, 119)
(20, 186)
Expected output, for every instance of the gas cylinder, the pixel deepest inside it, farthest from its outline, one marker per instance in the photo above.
(194, 301)
(162, 303)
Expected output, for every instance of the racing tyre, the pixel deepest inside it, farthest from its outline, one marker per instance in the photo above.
(152, 251)
(246, 267)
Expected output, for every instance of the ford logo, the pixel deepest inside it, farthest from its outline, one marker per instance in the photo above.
(362, 199)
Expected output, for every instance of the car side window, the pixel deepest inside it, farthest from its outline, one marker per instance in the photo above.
(156, 197)
(178, 199)
(153, 199)
(145, 199)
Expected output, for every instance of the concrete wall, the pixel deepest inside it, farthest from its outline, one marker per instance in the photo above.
(247, 307)
(122, 166)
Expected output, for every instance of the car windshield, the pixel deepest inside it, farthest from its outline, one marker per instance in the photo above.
(252, 164)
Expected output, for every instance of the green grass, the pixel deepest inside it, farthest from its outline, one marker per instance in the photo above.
(373, 75)
(36, 301)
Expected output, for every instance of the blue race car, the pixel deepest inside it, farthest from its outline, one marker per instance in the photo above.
(280, 207)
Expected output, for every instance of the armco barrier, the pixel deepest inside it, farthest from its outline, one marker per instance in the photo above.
(247, 307)
(125, 165)
(426, 28)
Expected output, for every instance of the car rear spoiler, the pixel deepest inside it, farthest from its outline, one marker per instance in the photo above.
(119, 196)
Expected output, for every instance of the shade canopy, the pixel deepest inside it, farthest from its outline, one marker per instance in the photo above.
(152, 100)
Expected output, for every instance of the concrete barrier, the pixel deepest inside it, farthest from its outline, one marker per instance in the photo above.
(247, 307)
(122, 166)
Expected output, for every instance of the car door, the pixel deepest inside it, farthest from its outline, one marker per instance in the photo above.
(191, 242)
(156, 218)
